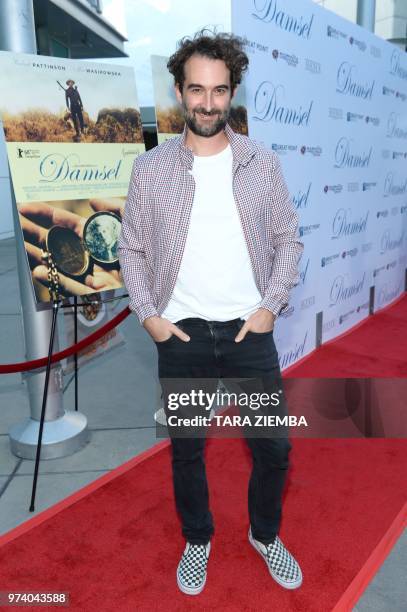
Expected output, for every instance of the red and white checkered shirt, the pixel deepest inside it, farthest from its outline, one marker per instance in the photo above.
(157, 213)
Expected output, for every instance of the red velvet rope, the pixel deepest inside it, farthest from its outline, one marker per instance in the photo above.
(75, 348)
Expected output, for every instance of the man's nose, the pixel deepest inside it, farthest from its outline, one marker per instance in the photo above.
(208, 102)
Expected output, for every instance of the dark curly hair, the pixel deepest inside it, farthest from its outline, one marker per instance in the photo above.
(208, 43)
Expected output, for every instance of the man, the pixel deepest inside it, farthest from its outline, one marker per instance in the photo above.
(209, 252)
(74, 105)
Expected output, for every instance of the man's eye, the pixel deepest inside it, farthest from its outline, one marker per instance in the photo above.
(220, 91)
(196, 90)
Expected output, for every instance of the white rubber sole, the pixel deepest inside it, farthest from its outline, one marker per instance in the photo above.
(286, 585)
(189, 590)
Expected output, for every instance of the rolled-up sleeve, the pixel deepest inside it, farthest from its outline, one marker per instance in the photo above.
(283, 237)
(137, 275)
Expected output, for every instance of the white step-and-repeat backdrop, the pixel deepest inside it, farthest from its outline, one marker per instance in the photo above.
(330, 99)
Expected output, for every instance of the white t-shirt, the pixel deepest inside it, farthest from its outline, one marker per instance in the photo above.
(215, 281)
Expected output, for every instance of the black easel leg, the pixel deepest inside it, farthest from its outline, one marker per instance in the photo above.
(44, 402)
(75, 301)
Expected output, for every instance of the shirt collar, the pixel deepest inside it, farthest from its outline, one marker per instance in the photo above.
(242, 148)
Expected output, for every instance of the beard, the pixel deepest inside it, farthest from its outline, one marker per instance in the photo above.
(202, 129)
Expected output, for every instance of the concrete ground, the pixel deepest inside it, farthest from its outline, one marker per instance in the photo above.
(120, 418)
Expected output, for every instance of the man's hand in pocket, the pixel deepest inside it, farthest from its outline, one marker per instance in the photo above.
(260, 322)
(161, 329)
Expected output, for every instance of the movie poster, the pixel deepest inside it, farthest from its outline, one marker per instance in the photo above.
(72, 130)
(168, 112)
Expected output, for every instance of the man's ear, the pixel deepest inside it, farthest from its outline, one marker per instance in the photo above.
(178, 92)
(234, 92)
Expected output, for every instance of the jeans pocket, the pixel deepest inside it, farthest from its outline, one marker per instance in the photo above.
(161, 342)
(261, 333)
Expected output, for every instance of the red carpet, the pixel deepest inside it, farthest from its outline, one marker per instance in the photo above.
(116, 543)
(118, 548)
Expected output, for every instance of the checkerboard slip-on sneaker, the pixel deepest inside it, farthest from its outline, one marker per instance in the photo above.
(191, 571)
(281, 564)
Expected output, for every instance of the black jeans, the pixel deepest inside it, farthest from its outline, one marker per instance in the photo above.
(212, 353)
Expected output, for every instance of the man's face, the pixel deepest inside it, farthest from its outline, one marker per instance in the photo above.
(206, 95)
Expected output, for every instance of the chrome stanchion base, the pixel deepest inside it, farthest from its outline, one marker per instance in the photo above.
(60, 437)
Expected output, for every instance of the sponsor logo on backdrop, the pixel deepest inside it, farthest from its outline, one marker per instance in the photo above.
(282, 148)
(270, 11)
(387, 243)
(391, 187)
(393, 129)
(372, 120)
(333, 188)
(328, 325)
(268, 107)
(399, 154)
(347, 157)
(290, 60)
(305, 230)
(344, 225)
(350, 253)
(328, 259)
(360, 44)
(307, 302)
(351, 117)
(315, 151)
(312, 66)
(251, 46)
(395, 65)
(382, 213)
(332, 32)
(403, 209)
(347, 84)
(391, 264)
(294, 353)
(387, 293)
(389, 91)
(341, 289)
(301, 199)
(368, 186)
(375, 51)
(335, 113)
